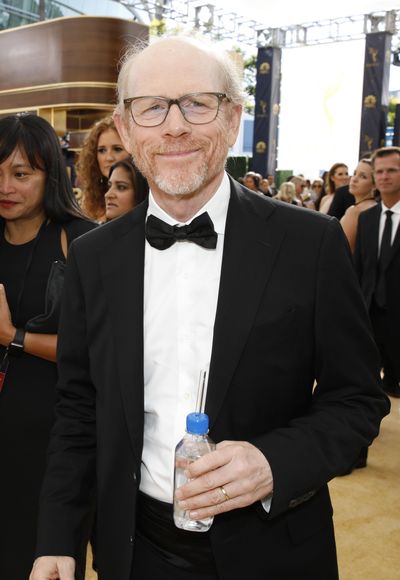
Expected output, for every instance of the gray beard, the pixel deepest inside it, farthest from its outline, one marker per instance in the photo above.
(176, 186)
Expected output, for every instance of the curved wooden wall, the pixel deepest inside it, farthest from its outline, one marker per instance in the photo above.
(64, 65)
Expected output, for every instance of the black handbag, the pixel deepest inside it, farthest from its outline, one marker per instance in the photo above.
(47, 323)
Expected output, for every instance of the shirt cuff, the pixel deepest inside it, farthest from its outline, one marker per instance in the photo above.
(266, 503)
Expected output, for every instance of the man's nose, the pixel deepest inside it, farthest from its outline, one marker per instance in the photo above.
(175, 123)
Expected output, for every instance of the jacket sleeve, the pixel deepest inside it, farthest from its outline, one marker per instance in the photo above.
(69, 479)
(347, 403)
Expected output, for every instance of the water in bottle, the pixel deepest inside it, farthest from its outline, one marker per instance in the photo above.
(194, 444)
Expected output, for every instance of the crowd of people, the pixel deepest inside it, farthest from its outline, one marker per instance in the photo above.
(317, 194)
(173, 267)
(359, 192)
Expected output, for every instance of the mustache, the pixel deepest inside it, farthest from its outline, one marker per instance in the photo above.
(181, 147)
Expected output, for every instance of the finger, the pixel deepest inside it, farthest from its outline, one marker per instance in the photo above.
(210, 462)
(208, 482)
(225, 465)
(244, 491)
(226, 443)
(213, 497)
(223, 454)
(225, 505)
(247, 473)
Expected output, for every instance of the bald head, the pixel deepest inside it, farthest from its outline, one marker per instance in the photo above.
(176, 58)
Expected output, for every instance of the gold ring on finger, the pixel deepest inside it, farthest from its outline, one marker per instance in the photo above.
(226, 496)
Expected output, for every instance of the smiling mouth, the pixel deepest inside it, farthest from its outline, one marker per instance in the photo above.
(178, 154)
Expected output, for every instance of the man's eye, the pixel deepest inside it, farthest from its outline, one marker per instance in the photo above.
(192, 104)
(155, 108)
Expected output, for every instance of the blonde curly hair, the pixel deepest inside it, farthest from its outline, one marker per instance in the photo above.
(91, 181)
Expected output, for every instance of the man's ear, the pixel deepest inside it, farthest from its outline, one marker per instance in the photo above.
(234, 124)
(122, 129)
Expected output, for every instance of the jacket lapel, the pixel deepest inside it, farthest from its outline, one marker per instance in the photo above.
(396, 245)
(252, 242)
(372, 240)
(122, 267)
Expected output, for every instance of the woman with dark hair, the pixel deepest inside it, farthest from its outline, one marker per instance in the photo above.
(39, 217)
(337, 176)
(101, 149)
(127, 188)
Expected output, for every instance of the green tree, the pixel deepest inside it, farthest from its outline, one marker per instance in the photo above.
(157, 27)
(392, 111)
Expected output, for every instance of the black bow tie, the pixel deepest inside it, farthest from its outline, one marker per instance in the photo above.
(200, 231)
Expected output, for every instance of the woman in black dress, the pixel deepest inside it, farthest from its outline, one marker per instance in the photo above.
(39, 217)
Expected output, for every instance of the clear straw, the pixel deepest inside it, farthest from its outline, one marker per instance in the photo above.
(201, 391)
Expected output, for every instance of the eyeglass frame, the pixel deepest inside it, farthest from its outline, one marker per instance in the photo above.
(221, 96)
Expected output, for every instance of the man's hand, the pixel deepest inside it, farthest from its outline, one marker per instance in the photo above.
(233, 476)
(53, 568)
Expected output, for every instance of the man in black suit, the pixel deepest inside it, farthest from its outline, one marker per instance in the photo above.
(204, 274)
(377, 258)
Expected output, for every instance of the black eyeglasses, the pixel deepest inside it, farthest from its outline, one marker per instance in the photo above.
(196, 108)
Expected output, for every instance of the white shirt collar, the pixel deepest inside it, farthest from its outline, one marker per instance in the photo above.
(216, 207)
(395, 208)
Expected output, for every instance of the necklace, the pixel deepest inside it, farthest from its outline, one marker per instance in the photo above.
(364, 199)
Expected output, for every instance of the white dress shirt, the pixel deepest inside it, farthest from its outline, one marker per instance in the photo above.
(181, 287)
(395, 221)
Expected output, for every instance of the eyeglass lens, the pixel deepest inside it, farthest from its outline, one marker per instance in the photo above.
(198, 108)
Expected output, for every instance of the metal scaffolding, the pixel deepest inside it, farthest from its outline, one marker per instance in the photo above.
(219, 24)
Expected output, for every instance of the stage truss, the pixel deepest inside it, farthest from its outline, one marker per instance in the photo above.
(220, 24)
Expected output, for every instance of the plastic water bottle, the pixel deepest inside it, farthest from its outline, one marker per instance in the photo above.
(194, 444)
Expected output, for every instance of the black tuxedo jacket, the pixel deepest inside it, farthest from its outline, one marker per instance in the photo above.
(366, 261)
(289, 311)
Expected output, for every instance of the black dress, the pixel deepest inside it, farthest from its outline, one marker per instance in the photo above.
(27, 399)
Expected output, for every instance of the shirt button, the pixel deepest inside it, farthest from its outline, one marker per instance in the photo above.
(131, 540)
(134, 477)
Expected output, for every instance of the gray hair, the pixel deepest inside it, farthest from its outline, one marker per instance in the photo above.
(231, 73)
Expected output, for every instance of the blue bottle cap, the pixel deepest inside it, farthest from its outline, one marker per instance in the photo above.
(197, 423)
